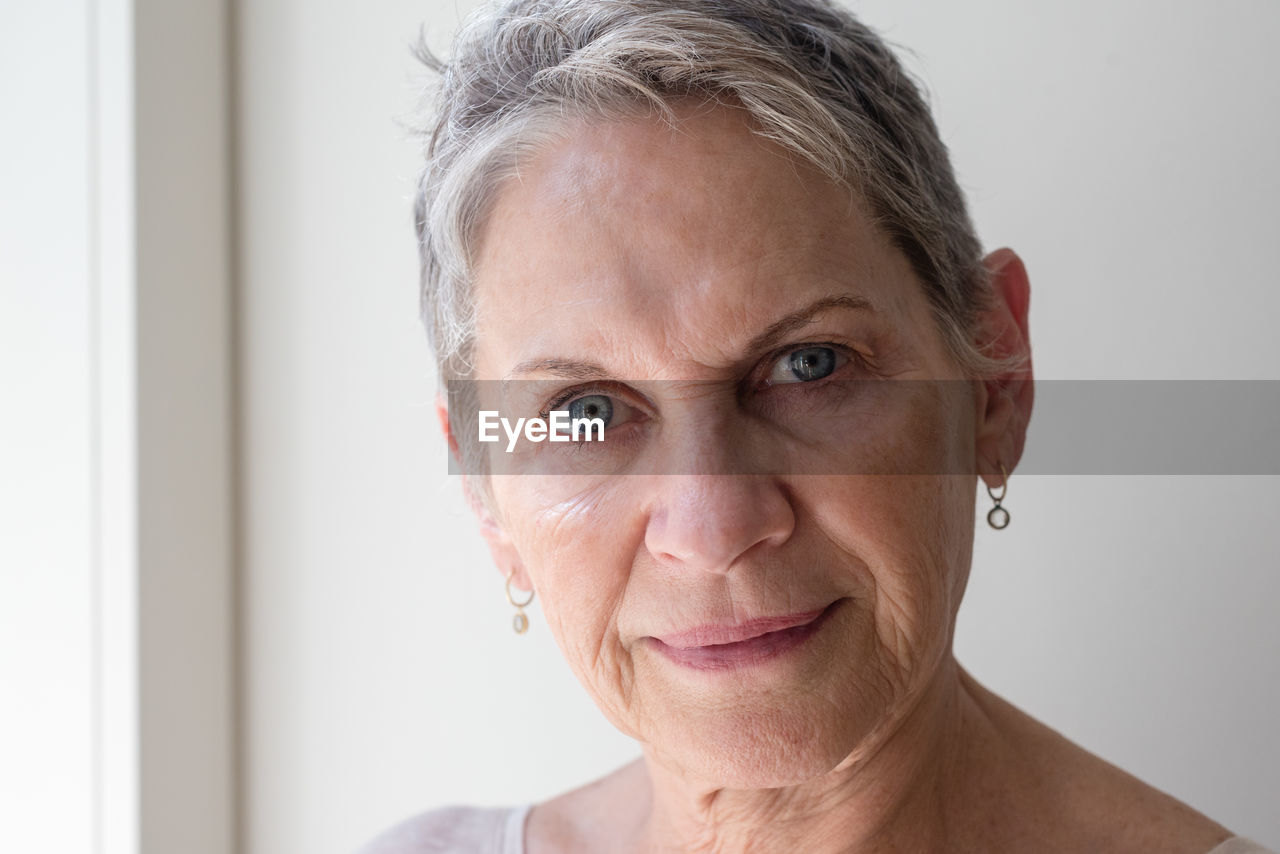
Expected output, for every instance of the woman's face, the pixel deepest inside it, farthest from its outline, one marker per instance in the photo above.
(740, 573)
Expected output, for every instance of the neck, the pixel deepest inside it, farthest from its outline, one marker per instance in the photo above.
(914, 785)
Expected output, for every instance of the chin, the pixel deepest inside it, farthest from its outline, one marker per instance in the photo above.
(760, 748)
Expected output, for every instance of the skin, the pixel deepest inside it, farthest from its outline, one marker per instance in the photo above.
(649, 264)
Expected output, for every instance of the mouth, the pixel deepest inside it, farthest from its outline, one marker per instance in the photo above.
(716, 647)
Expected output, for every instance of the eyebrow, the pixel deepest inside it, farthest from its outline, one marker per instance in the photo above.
(568, 368)
(779, 329)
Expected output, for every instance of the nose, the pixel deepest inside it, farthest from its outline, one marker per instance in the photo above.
(706, 522)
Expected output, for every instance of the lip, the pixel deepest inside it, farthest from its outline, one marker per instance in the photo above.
(716, 647)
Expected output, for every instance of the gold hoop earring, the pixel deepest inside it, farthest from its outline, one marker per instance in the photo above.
(519, 622)
(998, 516)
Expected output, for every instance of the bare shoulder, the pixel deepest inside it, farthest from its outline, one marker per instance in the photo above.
(1097, 805)
(1140, 817)
(451, 830)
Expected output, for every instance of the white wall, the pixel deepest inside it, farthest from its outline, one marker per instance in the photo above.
(46, 430)
(1125, 149)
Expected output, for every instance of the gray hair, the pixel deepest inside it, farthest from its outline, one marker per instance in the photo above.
(810, 75)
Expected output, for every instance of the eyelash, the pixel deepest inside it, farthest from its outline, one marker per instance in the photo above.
(855, 358)
(569, 394)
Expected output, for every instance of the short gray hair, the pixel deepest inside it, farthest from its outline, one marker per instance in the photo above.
(810, 75)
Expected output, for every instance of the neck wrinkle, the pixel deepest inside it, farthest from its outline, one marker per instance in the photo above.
(901, 789)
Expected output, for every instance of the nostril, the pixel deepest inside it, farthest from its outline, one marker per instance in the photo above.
(707, 523)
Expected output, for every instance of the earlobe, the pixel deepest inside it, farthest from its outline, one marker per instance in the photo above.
(505, 556)
(1004, 406)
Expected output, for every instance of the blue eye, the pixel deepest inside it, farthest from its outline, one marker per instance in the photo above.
(592, 406)
(805, 365)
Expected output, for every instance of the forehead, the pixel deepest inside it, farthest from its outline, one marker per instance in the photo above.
(639, 239)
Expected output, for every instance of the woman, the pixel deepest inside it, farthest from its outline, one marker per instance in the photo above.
(727, 231)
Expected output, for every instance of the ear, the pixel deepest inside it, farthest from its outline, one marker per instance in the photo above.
(504, 553)
(1004, 401)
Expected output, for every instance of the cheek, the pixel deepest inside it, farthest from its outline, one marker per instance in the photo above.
(875, 427)
(890, 524)
(912, 534)
(578, 553)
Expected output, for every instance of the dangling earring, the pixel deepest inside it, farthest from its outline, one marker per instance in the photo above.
(998, 517)
(519, 622)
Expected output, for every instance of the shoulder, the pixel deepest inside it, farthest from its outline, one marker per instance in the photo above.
(451, 830)
(1240, 845)
(1073, 799)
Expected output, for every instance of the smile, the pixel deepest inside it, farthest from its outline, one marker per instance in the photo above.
(754, 642)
